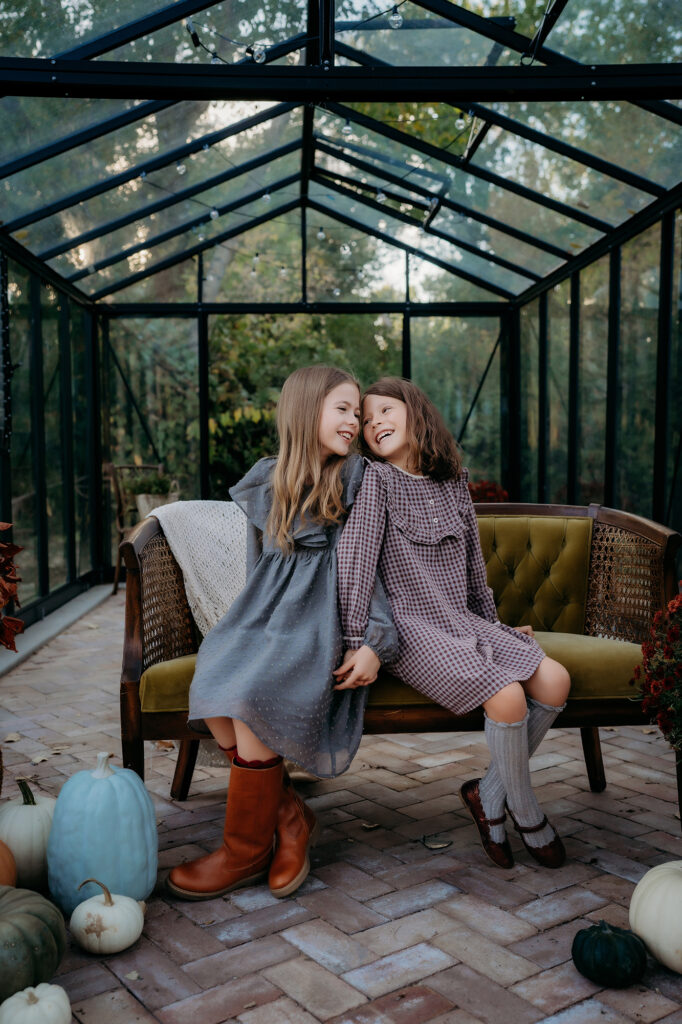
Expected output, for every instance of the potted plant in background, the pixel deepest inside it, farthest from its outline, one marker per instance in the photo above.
(152, 490)
(487, 490)
(660, 677)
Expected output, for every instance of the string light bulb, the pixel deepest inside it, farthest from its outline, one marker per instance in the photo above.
(180, 168)
(395, 18)
(347, 129)
(336, 292)
(381, 196)
(214, 214)
(256, 258)
(345, 249)
(215, 59)
(321, 235)
(282, 271)
(259, 54)
(460, 123)
(266, 197)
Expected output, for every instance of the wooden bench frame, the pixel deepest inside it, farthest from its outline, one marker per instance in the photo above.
(631, 575)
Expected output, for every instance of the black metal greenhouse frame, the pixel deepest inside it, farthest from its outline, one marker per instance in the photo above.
(322, 83)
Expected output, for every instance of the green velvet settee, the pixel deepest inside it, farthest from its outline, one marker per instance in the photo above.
(587, 579)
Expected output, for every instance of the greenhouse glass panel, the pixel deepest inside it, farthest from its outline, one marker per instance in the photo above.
(24, 508)
(250, 355)
(125, 151)
(344, 264)
(261, 265)
(159, 359)
(174, 284)
(80, 429)
(228, 29)
(54, 442)
(637, 393)
(594, 334)
(621, 133)
(429, 283)
(674, 473)
(414, 36)
(558, 331)
(43, 28)
(172, 218)
(449, 358)
(496, 242)
(634, 31)
(554, 175)
(530, 410)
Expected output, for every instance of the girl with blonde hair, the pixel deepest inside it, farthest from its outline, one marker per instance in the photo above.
(263, 682)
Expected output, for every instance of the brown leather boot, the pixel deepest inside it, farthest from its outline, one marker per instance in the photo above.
(253, 799)
(297, 830)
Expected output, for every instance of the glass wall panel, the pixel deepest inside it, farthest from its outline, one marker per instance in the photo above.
(54, 443)
(43, 28)
(346, 265)
(263, 265)
(530, 422)
(636, 31)
(175, 284)
(152, 389)
(251, 355)
(674, 481)
(558, 331)
(594, 329)
(23, 486)
(638, 336)
(449, 358)
(429, 283)
(79, 405)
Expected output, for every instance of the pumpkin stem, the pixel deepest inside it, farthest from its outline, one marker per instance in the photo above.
(103, 769)
(26, 792)
(108, 902)
(32, 997)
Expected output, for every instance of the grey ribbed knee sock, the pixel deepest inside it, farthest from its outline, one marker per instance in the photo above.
(508, 744)
(491, 788)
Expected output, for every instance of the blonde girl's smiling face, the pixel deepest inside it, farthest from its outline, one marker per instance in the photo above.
(339, 420)
(384, 427)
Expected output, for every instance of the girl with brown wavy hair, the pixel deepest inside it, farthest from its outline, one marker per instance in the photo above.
(414, 524)
(263, 682)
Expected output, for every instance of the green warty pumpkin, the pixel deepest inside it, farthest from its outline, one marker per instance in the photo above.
(609, 956)
(32, 939)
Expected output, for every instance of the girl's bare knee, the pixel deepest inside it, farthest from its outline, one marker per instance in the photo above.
(550, 683)
(507, 705)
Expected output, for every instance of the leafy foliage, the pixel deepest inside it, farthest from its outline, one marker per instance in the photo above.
(660, 676)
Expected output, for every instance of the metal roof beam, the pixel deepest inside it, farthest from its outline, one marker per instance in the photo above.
(171, 200)
(137, 80)
(521, 236)
(442, 155)
(343, 218)
(182, 229)
(189, 309)
(172, 261)
(148, 166)
(372, 204)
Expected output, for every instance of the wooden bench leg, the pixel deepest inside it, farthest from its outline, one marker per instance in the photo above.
(678, 766)
(593, 758)
(184, 768)
(133, 756)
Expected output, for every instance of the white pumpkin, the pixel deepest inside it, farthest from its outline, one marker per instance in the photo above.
(656, 913)
(107, 923)
(25, 825)
(44, 1004)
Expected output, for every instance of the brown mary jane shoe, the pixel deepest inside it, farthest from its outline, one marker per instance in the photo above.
(499, 853)
(552, 854)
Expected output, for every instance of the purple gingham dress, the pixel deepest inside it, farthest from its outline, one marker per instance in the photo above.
(421, 535)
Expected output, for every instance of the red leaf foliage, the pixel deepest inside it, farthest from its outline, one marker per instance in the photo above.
(9, 627)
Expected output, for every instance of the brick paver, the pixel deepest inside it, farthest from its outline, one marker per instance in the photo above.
(384, 930)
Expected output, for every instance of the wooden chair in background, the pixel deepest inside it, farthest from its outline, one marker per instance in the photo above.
(127, 515)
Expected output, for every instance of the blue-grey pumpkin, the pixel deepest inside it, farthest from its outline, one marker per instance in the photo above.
(104, 826)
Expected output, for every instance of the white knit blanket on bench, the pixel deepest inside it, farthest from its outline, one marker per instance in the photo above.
(208, 541)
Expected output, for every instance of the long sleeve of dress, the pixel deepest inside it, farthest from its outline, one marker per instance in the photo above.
(480, 598)
(365, 611)
(254, 546)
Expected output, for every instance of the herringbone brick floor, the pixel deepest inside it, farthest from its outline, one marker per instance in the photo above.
(403, 919)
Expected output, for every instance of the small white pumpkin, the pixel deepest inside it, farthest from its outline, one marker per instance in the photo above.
(44, 1004)
(656, 913)
(106, 923)
(25, 825)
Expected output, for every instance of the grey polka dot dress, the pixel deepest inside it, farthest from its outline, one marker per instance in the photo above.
(422, 537)
(268, 662)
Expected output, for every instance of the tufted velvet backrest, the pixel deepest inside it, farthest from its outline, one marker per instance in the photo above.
(538, 568)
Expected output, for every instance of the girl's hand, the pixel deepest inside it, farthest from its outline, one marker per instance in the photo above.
(359, 668)
(528, 630)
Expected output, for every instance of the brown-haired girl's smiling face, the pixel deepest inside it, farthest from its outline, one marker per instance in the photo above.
(384, 428)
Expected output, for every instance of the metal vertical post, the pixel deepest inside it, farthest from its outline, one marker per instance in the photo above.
(6, 375)
(543, 396)
(510, 380)
(407, 334)
(573, 391)
(327, 33)
(38, 435)
(66, 432)
(94, 449)
(204, 458)
(612, 380)
(304, 251)
(663, 356)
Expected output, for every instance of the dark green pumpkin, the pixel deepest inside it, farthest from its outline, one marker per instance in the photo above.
(32, 939)
(609, 956)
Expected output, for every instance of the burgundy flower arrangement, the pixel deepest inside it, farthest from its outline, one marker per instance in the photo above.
(660, 675)
(487, 490)
(9, 626)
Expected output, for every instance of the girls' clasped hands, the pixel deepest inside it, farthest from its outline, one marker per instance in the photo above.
(353, 563)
